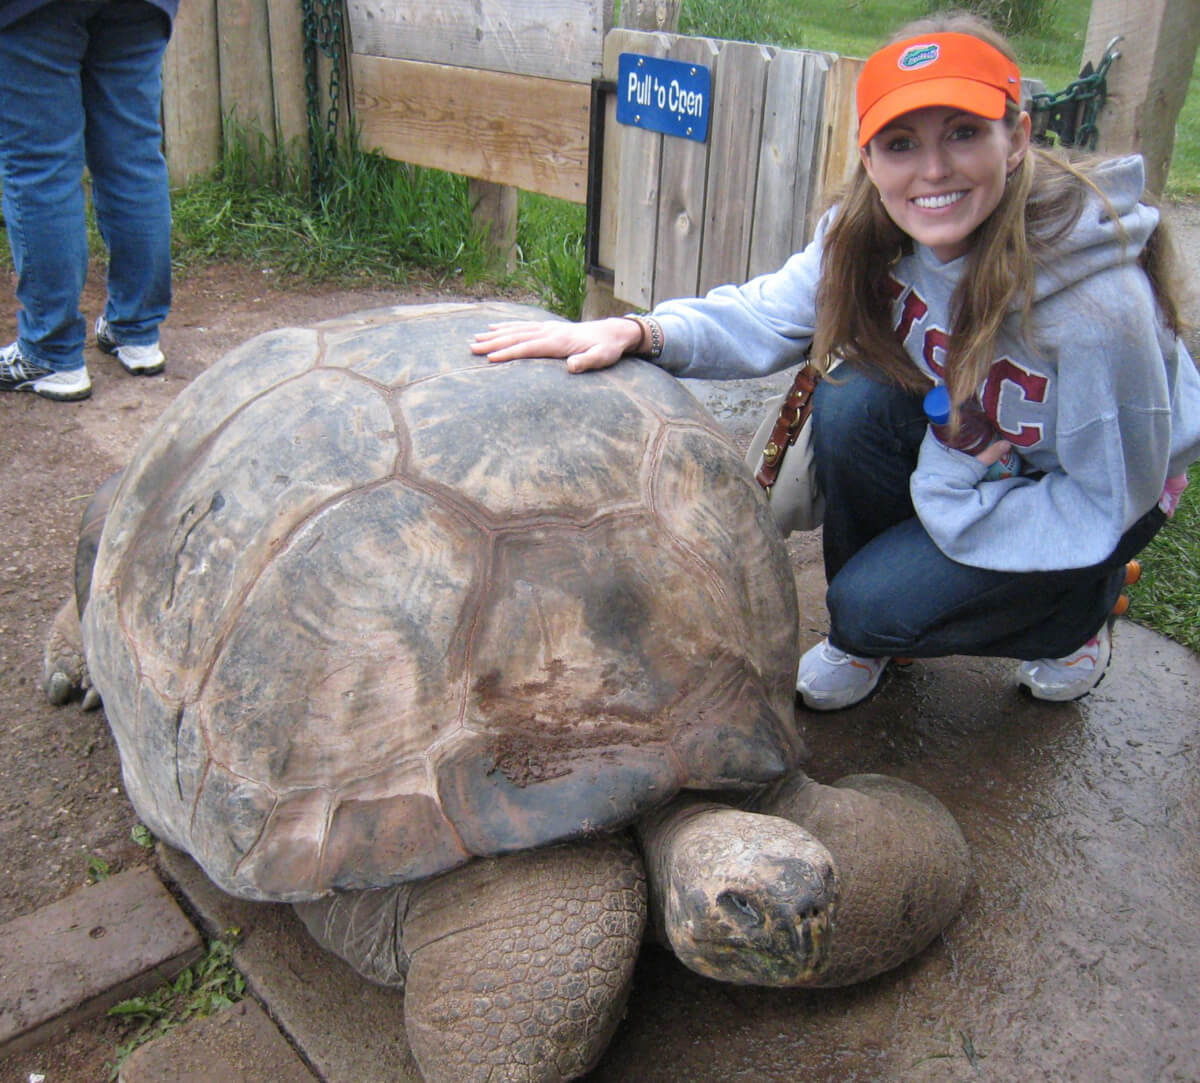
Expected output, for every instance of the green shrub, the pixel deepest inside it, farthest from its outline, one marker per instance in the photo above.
(1007, 16)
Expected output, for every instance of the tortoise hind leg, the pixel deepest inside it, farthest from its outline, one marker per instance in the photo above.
(902, 862)
(520, 966)
(64, 667)
(64, 671)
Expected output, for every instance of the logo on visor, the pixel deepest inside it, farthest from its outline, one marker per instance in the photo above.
(918, 56)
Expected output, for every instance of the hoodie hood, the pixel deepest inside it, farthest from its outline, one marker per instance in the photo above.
(1099, 241)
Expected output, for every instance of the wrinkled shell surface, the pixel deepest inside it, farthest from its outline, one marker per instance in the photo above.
(366, 606)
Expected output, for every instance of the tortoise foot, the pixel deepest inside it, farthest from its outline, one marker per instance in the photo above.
(64, 669)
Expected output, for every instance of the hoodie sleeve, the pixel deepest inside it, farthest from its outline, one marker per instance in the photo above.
(1110, 454)
(739, 332)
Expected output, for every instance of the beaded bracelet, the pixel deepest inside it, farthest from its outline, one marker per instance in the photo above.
(652, 330)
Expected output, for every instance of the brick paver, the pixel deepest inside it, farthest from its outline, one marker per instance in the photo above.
(75, 958)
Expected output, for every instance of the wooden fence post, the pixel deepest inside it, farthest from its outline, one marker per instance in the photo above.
(494, 211)
(191, 108)
(1148, 83)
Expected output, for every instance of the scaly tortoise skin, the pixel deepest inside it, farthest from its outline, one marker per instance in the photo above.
(407, 639)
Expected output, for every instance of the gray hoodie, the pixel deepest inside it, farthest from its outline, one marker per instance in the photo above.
(1103, 409)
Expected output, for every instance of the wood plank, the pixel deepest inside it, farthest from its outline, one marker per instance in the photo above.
(191, 109)
(609, 184)
(810, 204)
(511, 129)
(733, 162)
(788, 176)
(553, 39)
(1148, 83)
(285, 30)
(72, 960)
(638, 183)
(245, 59)
(839, 142)
(684, 177)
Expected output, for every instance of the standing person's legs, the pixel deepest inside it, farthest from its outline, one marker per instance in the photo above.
(41, 169)
(122, 91)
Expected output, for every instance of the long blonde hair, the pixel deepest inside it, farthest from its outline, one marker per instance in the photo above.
(1042, 200)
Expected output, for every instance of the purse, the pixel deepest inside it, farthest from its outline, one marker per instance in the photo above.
(781, 456)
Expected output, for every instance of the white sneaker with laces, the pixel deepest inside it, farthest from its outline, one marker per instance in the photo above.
(830, 678)
(144, 360)
(1061, 679)
(19, 373)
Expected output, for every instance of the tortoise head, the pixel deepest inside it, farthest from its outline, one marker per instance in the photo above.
(744, 897)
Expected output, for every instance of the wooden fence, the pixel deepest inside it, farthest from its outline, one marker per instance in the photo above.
(504, 93)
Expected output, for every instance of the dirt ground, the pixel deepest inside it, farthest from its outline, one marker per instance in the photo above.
(62, 809)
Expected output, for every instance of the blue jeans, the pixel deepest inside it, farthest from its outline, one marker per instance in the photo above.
(891, 590)
(81, 83)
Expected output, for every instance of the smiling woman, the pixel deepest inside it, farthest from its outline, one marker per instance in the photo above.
(1036, 290)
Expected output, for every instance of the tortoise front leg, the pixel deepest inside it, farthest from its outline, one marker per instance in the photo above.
(515, 967)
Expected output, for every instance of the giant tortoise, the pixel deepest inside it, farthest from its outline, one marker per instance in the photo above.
(460, 658)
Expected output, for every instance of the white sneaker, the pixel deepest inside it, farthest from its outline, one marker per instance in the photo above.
(145, 360)
(829, 678)
(1070, 677)
(18, 373)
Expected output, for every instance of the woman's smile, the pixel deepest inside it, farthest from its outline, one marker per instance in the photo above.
(932, 203)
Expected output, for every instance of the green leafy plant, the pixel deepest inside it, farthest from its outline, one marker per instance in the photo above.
(97, 869)
(199, 990)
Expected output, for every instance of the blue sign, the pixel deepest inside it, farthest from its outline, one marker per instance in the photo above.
(666, 96)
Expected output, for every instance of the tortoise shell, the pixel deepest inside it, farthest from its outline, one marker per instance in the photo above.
(366, 606)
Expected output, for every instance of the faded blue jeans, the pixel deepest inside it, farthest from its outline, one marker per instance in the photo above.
(81, 84)
(891, 590)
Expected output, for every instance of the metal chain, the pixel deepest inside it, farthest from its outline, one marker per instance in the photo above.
(1071, 114)
(322, 22)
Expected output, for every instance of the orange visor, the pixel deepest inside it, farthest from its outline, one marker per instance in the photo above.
(956, 70)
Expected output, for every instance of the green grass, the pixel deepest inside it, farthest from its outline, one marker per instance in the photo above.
(1167, 598)
(199, 990)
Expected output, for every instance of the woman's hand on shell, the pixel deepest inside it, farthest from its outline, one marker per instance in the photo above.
(595, 344)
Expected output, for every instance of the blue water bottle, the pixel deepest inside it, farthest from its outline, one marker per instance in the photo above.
(975, 431)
